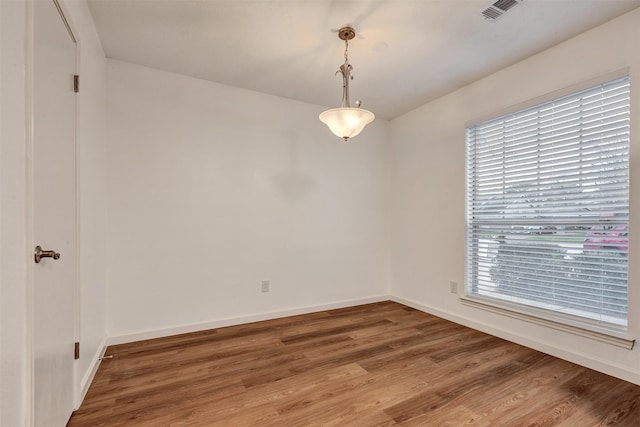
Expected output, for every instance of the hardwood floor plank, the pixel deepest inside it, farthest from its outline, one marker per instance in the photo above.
(522, 395)
(473, 379)
(290, 388)
(380, 364)
(344, 349)
(309, 336)
(448, 416)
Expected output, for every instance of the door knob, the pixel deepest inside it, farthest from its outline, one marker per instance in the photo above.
(38, 254)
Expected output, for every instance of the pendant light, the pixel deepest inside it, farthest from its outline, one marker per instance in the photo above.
(346, 122)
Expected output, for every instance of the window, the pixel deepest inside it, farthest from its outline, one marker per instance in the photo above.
(548, 209)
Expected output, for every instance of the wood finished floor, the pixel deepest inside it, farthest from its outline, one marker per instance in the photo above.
(380, 364)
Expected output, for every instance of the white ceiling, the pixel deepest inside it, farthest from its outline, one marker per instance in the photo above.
(406, 52)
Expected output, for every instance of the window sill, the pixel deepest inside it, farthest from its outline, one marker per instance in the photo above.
(514, 311)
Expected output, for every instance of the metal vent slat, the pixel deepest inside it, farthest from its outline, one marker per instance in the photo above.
(491, 13)
(505, 4)
(499, 8)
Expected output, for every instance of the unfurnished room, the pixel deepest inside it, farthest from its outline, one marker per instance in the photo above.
(292, 213)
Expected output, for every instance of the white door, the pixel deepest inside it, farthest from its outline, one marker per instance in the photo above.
(54, 215)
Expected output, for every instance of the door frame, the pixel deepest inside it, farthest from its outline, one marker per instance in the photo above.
(30, 217)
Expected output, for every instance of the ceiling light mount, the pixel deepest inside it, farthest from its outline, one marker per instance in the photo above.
(346, 122)
(346, 33)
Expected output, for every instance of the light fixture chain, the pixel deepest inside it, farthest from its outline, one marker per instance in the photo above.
(346, 52)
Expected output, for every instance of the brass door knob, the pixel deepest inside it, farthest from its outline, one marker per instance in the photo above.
(38, 254)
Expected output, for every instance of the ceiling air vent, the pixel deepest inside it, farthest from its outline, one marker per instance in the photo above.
(498, 9)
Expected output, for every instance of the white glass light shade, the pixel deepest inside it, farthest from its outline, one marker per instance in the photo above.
(346, 122)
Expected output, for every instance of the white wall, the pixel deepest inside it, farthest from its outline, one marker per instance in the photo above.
(14, 345)
(428, 199)
(213, 189)
(92, 211)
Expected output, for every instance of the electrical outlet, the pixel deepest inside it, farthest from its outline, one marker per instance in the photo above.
(266, 286)
(453, 287)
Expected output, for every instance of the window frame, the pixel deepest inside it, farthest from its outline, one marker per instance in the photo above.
(618, 336)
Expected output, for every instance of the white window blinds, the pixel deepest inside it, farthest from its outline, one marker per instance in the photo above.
(548, 207)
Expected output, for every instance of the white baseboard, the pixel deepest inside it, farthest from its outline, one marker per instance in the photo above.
(231, 321)
(87, 379)
(562, 353)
